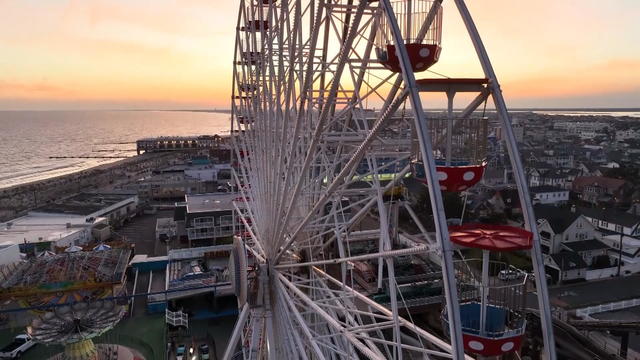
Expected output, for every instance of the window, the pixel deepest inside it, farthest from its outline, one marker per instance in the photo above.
(595, 222)
(619, 228)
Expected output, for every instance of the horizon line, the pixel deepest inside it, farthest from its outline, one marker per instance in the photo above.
(226, 110)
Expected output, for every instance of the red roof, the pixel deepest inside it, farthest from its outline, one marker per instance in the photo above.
(612, 185)
(491, 237)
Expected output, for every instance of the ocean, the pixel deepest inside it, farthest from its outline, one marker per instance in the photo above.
(29, 138)
(631, 113)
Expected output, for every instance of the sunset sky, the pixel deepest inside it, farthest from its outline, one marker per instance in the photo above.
(161, 54)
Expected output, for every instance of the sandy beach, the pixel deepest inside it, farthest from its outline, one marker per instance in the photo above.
(18, 199)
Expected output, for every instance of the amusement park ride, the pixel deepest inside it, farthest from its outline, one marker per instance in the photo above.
(71, 296)
(327, 120)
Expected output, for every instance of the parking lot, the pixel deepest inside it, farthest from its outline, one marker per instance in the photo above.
(141, 231)
(213, 333)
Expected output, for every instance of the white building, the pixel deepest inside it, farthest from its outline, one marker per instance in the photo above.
(558, 226)
(549, 195)
(117, 207)
(46, 231)
(630, 253)
(566, 266)
(612, 220)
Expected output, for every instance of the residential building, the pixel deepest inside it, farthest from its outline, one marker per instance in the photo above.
(549, 195)
(596, 189)
(558, 159)
(628, 134)
(557, 226)
(580, 127)
(566, 266)
(629, 252)
(609, 220)
(589, 250)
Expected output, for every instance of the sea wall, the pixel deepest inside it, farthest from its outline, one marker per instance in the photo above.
(16, 200)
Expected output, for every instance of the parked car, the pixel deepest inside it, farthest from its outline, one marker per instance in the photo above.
(203, 351)
(180, 352)
(510, 275)
(17, 347)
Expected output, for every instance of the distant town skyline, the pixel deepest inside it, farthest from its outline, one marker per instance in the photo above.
(165, 54)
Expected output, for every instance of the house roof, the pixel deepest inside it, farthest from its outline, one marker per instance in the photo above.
(573, 172)
(611, 216)
(586, 245)
(610, 184)
(559, 218)
(569, 260)
(554, 174)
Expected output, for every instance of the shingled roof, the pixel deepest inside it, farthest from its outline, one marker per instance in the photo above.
(559, 218)
(569, 260)
(611, 216)
(586, 245)
(611, 184)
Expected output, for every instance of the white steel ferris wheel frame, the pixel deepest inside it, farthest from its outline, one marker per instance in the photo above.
(300, 128)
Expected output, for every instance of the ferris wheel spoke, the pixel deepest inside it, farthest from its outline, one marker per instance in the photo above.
(348, 167)
(325, 109)
(407, 326)
(420, 249)
(305, 93)
(338, 327)
(362, 211)
(343, 306)
(293, 311)
(236, 333)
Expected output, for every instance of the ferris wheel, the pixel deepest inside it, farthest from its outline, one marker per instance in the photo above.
(327, 123)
